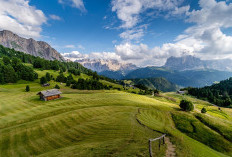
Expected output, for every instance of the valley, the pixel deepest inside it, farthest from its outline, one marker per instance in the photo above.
(104, 123)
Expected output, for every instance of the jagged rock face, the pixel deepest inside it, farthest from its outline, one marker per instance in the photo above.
(184, 63)
(100, 65)
(29, 46)
(193, 63)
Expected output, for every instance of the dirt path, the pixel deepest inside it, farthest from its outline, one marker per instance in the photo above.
(171, 149)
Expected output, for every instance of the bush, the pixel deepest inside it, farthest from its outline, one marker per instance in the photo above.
(43, 80)
(203, 110)
(68, 83)
(57, 87)
(27, 88)
(186, 105)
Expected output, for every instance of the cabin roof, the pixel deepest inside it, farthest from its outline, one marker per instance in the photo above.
(50, 92)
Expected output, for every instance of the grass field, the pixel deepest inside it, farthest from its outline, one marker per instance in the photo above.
(101, 123)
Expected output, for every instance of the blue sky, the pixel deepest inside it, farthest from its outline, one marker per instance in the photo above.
(144, 32)
(88, 29)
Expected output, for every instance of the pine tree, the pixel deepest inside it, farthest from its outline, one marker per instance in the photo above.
(43, 80)
(27, 88)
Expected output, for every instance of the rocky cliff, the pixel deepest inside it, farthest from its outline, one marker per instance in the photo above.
(193, 63)
(29, 46)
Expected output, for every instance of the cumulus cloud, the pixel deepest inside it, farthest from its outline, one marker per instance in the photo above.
(129, 13)
(74, 3)
(206, 34)
(205, 39)
(21, 18)
(76, 55)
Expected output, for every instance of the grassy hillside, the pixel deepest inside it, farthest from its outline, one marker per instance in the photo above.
(104, 123)
(159, 83)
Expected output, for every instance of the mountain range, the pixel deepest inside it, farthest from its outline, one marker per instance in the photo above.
(183, 71)
(192, 63)
(101, 65)
(29, 46)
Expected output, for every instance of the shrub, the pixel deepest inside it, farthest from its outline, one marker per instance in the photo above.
(57, 87)
(27, 88)
(186, 105)
(203, 110)
(48, 76)
(68, 83)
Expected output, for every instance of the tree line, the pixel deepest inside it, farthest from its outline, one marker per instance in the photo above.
(12, 70)
(43, 64)
(219, 94)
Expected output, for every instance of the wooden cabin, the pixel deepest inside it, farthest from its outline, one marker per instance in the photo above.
(49, 94)
(181, 92)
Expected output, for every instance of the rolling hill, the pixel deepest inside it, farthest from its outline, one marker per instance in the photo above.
(156, 83)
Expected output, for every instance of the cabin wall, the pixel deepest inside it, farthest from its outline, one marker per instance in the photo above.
(52, 97)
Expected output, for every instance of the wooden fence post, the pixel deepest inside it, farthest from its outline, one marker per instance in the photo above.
(150, 148)
(160, 141)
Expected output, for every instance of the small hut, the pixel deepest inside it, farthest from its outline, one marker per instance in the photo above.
(181, 92)
(45, 85)
(50, 94)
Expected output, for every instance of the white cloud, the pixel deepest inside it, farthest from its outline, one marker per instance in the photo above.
(74, 3)
(55, 17)
(207, 38)
(70, 46)
(21, 18)
(76, 55)
(129, 12)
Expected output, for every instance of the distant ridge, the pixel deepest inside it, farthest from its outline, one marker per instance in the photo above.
(193, 63)
(29, 46)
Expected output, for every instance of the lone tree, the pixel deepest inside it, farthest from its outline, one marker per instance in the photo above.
(186, 105)
(48, 76)
(43, 80)
(203, 110)
(27, 88)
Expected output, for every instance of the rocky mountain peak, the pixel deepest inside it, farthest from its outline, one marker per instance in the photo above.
(100, 65)
(194, 63)
(29, 46)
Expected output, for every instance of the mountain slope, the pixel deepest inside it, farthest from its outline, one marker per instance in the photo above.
(157, 83)
(29, 46)
(219, 94)
(194, 78)
(193, 63)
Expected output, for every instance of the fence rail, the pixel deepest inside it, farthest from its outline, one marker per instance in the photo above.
(161, 138)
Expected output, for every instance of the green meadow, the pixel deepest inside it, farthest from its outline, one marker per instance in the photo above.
(106, 123)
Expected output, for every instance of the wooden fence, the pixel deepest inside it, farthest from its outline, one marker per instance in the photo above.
(161, 138)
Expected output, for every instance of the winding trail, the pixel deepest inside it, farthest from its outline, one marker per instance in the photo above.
(171, 149)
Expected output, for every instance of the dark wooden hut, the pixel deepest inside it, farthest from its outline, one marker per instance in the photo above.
(50, 94)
